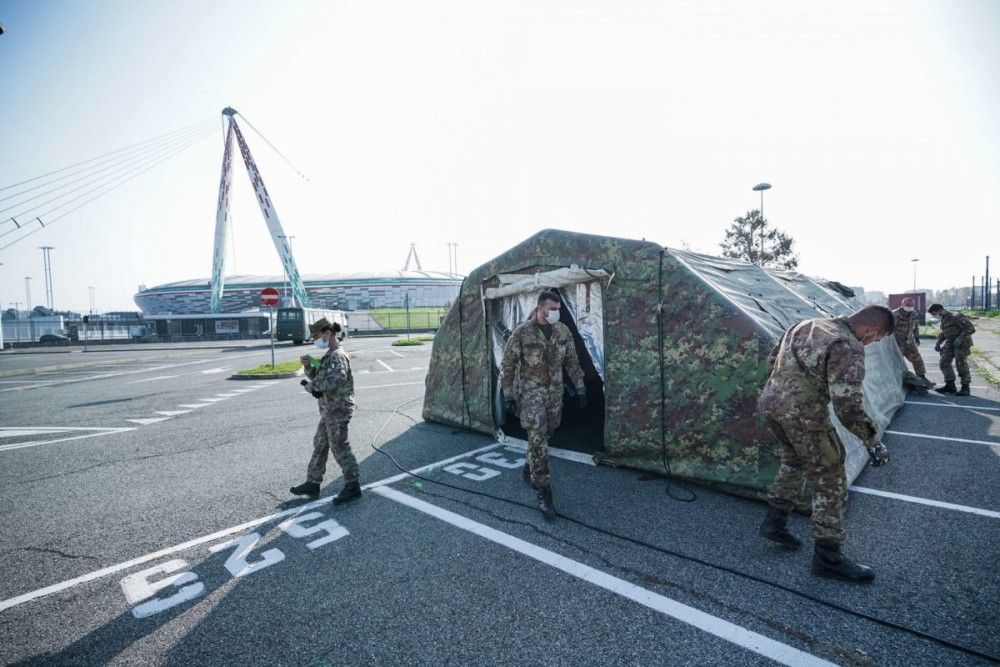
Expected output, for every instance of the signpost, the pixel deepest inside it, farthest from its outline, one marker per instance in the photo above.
(270, 298)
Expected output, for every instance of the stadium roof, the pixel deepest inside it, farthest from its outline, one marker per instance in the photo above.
(316, 278)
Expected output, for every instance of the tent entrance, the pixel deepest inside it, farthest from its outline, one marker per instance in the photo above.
(582, 312)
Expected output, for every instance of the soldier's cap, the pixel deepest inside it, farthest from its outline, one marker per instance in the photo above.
(316, 327)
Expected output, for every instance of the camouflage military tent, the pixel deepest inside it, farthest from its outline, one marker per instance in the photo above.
(674, 345)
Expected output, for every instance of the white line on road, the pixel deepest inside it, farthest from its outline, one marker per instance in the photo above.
(952, 405)
(148, 420)
(713, 625)
(401, 356)
(98, 432)
(927, 501)
(158, 377)
(381, 386)
(555, 452)
(193, 406)
(938, 437)
(211, 400)
(385, 365)
(212, 371)
(98, 574)
(172, 413)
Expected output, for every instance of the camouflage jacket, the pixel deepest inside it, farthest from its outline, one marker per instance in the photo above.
(907, 323)
(533, 366)
(814, 363)
(334, 379)
(956, 329)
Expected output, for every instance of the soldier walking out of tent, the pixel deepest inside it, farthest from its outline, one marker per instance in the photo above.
(908, 335)
(531, 376)
(333, 385)
(954, 343)
(817, 361)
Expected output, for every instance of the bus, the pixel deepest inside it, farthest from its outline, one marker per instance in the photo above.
(293, 323)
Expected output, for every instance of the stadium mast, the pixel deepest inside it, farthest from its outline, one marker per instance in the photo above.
(266, 208)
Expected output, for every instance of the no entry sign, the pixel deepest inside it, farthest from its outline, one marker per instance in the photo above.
(269, 296)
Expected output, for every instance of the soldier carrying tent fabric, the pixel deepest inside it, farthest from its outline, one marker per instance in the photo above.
(531, 376)
(816, 362)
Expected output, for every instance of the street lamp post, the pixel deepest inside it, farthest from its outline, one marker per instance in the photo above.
(914, 262)
(760, 187)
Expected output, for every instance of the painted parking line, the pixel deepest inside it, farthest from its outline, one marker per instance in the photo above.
(401, 356)
(126, 565)
(213, 371)
(158, 377)
(939, 437)
(713, 625)
(927, 501)
(952, 405)
(92, 432)
(385, 365)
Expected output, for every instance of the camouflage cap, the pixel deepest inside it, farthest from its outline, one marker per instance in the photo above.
(316, 327)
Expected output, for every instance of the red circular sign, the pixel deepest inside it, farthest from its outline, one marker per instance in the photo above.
(269, 296)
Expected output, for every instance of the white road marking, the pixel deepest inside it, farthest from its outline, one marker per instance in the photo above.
(27, 381)
(193, 406)
(95, 433)
(211, 400)
(713, 625)
(148, 420)
(212, 371)
(381, 386)
(397, 354)
(21, 432)
(112, 569)
(938, 437)
(158, 377)
(418, 368)
(362, 372)
(951, 405)
(927, 501)
(226, 395)
(172, 413)
(385, 365)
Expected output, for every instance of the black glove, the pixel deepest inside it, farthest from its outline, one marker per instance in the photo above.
(937, 348)
(509, 404)
(879, 454)
(916, 342)
(581, 398)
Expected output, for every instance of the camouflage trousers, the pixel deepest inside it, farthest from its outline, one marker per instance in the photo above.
(331, 435)
(540, 420)
(816, 457)
(960, 355)
(912, 354)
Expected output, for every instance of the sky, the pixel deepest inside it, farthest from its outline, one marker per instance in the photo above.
(481, 123)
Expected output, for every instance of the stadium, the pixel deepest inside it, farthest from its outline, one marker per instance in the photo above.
(350, 291)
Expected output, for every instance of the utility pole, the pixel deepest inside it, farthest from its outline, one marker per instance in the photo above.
(451, 272)
(455, 246)
(47, 259)
(27, 292)
(93, 301)
(986, 283)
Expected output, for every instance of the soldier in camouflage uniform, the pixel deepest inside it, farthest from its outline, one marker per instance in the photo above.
(814, 363)
(954, 343)
(531, 376)
(333, 385)
(907, 334)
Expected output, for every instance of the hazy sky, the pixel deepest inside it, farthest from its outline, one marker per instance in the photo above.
(480, 123)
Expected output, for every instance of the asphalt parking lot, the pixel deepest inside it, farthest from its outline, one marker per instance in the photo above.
(147, 520)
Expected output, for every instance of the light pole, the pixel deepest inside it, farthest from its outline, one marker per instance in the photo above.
(455, 246)
(93, 300)
(27, 292)
(47, 259)
(914, 262)
(760, 187)
(451, 271)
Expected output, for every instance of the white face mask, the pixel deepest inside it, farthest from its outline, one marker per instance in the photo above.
(321, 344)
(552, 316)
(908, 309)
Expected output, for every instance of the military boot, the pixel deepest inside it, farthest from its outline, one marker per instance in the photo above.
(351, 491)
(964, 391)
(545, 502)
(309, 489)
(775, 528)
(829, 562)
(948, 388)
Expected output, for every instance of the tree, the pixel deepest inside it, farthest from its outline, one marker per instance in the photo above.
(743, 242)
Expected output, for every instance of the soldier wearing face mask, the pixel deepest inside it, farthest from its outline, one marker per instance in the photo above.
(332, 383)
(817, 362)
(907, 333)
(531, 376)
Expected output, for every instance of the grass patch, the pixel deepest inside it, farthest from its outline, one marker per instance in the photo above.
(985, 367)
(420, 318)
(407, 342)
(981, 313)
(265, 369)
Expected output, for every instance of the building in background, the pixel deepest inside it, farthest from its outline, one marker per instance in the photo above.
(335, 291)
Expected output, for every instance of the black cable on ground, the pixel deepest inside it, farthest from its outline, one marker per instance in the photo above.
(694, 559)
